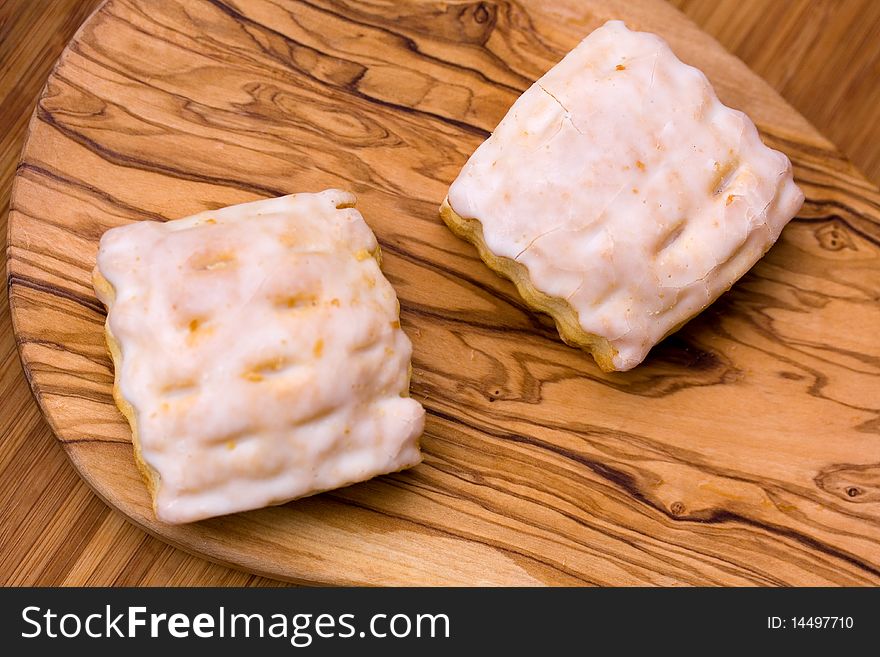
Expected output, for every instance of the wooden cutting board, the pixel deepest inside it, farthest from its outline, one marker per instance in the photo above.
(744, 451)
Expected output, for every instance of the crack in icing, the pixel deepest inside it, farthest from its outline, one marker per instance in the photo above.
(640, 205)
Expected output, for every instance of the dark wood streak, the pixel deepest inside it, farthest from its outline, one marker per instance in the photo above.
(582, 519)
(352, 86)
(624, 481)
(128, 161)
(868, 230)
(615, 478)
(26, 167)
(590, 433)
(104, 441)
(412, 46)
(804, 539)
(53, 290)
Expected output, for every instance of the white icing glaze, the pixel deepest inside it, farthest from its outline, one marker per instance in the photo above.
(623, 185)
(262, 353)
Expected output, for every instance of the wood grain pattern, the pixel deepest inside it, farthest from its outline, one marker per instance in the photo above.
(744, 452)
(53, 530)
(822, 56)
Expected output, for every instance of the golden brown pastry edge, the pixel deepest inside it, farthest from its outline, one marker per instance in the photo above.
(150, 476)
(562, 313)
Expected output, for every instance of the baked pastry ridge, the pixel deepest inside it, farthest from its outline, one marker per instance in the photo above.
(258, 354)
(621, 196)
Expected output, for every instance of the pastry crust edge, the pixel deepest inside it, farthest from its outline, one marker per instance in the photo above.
(107, 295)
(559, 310)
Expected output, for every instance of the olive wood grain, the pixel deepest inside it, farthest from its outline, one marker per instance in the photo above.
(744, 451)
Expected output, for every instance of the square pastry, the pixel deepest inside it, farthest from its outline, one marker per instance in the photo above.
(258, 354)
(621, 196)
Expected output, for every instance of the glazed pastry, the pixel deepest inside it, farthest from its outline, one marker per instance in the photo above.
(621, 196)
(258, 354)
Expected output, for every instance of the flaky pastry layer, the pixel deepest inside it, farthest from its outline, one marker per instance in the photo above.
(563, 315)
